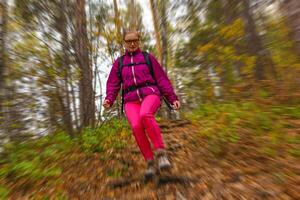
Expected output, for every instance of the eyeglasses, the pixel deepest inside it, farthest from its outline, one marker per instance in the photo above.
(132, 41)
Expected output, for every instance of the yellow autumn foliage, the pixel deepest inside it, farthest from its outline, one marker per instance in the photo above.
(232, 31)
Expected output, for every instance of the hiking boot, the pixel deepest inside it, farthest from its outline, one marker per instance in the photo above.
(163, 161)
(150, 171)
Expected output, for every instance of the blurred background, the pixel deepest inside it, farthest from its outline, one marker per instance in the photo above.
(233, 63)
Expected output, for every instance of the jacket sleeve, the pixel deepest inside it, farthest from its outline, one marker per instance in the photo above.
(163, 81)
(113, 83)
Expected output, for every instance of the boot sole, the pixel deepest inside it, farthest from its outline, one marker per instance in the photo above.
(149, 176)
(165, 168)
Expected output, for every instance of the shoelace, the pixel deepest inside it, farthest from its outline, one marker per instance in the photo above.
(163, 160)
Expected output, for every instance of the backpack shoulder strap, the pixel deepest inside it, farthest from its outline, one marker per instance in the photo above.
(120, 67)
(149, 63)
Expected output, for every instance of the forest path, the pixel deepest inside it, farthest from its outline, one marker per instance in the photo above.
(239, 173)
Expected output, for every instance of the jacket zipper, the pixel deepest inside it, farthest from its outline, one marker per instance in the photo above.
(133, 74)
(151, 88)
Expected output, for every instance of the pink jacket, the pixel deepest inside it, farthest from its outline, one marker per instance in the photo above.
(138, 75)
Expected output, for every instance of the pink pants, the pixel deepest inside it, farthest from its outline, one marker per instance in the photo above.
(140, 116)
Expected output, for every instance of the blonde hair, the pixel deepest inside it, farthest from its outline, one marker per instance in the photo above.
(125, 32)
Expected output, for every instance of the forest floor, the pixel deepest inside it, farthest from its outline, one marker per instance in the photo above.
(239, 172)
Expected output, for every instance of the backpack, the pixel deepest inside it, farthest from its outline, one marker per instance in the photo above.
(131, 88)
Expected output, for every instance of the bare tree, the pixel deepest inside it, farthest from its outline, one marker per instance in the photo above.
(291, 9)
(254, 42)
(87, 96)
(3, 52)
(118, 26)
(164, 36)
(62, 29)
(153, 7)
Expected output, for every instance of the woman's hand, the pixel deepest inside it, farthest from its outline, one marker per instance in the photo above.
(176, 105)
(106, 103)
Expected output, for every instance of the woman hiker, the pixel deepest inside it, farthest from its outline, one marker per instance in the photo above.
(142, 98)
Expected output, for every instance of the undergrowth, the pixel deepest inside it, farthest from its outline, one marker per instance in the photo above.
(226, 123)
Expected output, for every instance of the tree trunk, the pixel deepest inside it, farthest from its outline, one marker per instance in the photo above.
(263, 58)
(153, 7)
(66, 67)
(3, 52)
(164, 38)
(133, 20)
(164, 42)
(118, 25)
(119, 38)
(56, 105)
(87, 96)
(254, 43)
(291, 10)
(74, 103)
